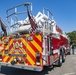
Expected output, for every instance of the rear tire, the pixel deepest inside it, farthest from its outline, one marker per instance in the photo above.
(63, 57)
(59, 61)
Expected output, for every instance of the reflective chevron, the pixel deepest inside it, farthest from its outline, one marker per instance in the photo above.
(23, 49)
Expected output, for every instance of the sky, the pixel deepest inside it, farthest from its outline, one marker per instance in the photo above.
(64, 11)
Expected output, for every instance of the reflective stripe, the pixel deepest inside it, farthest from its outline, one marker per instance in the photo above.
(28, 47)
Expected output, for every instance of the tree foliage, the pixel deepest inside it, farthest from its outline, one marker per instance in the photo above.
(72, 36)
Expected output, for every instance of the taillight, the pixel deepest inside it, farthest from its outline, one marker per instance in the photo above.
(6, 41)
(38, 58)
(0, 56)
(6, 52)
(22, 61)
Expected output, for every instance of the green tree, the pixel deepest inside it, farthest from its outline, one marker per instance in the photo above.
(72, 36)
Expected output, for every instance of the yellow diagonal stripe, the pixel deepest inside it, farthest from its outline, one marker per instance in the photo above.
(31, 50)
(30, 60)
(5, 59)
(24, 41)
(11, 41)
(11, 59)
(39, 37)
(37, 46)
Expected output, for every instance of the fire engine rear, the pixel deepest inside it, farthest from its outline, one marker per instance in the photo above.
(34, 42)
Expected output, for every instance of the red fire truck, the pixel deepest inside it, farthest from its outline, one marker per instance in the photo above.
(34, 42)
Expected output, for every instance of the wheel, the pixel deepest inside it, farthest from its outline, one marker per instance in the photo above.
(59, 61)
(63, 57)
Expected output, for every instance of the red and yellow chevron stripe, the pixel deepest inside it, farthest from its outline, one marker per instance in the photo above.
(22, 46)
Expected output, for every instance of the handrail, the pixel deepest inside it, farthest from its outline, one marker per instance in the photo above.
(48, 11)
(10, 11)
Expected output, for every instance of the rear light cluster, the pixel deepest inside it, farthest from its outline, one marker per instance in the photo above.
(30, 38)
(38, 58)
(6, 52)
(6, 41)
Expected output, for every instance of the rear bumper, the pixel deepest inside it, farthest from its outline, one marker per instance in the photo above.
(21, 66)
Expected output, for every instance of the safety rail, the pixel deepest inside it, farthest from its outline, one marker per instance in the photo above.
(48, 12)
(14, 11)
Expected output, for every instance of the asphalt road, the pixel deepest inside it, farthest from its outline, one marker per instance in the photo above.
(67, 68)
